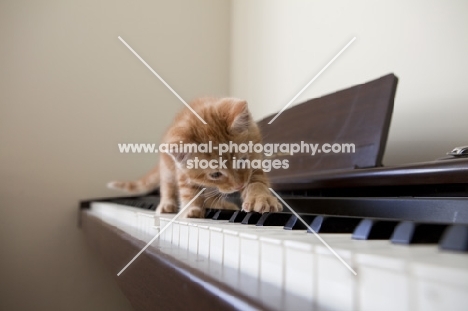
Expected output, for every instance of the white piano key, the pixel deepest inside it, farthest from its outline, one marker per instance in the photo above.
(271, 263)
(337, 285)
(140, 226)
(175, 232)
(389, 263)
(204, 241)
(297, 258)
(167, 234)
(193, 237)
(157, 217)
(441, 282)
(273, 267)
(374, 292)
(252, 229)
(231, 249)
(249, 254)
(216, 244)
(162, 224)
(231, 257)
(370, 279)
(249, 261)
(157, 222)
(183, 235)
(272, 296)
(333, 276)
(145, 222)
(300, 268)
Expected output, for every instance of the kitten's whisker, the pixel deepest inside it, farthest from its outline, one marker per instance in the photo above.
(213, 203)
(210, 196)
(218, 199)
(212, 193)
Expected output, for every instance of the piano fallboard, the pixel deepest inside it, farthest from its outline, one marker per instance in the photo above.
(451, 171)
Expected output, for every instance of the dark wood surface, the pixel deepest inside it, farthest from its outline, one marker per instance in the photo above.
(451, 171)
(360, 114)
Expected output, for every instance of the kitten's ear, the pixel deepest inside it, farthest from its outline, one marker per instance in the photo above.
(241, 116)
(179, 157)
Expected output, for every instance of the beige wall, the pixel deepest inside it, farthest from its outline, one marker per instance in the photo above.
(69, 92)
(278, 46)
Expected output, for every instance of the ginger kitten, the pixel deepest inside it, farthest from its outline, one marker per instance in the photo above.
(227, 120)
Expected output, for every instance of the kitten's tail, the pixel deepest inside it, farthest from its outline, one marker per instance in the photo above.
(147, 183)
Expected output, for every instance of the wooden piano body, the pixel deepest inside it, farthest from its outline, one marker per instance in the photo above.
(350, 200)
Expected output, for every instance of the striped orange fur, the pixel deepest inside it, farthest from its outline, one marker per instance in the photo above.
(228, 120)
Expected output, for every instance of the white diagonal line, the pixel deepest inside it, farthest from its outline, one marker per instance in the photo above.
(318, 236)
(159, 233)
(162, 80)
(313, 79)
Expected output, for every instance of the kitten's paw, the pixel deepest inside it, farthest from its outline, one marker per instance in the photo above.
(261, 203)
(195, 212)
(166, 207)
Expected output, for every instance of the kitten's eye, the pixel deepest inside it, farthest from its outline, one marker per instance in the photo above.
(244, 157)
(215, 175)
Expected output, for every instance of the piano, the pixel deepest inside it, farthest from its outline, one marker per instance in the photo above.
(403, 230)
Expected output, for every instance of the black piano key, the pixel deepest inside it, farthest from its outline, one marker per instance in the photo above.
(238, 216)
(251, 218)
(326, 224)
(210, 212)
(294, 223)
(147, 203)
(455, 238)
(371, 229)
(223, 214)
(273, 219)
(408, 232)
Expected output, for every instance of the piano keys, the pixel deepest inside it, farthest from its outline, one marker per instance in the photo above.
(291, 269)
(269, 268)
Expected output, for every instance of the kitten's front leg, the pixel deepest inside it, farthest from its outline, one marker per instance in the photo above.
(257, 197)
(186, 194)
(168, 187)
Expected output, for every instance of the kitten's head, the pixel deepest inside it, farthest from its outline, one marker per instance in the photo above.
(228, 120)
